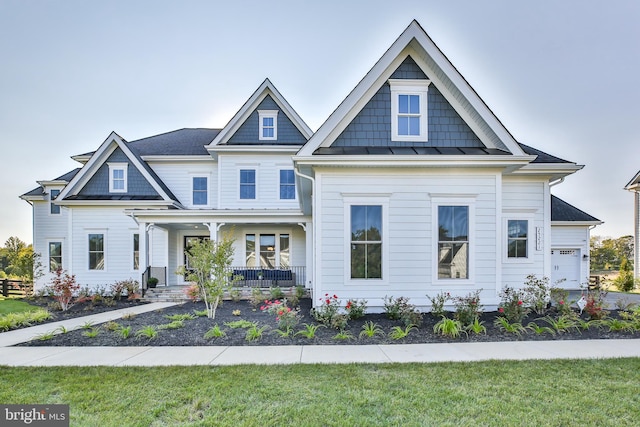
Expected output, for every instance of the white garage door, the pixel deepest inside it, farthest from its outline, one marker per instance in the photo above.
(565, 264)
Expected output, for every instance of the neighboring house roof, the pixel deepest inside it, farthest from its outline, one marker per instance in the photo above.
(634, 184)
(562, 211)
(266, 93)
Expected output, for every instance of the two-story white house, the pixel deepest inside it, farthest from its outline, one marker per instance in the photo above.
(411, 187)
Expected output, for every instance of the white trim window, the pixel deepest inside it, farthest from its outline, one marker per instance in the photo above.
(287, 184)
(135, 240)
(366, 254)
(96, 251)
(268, 124)
(55, 256)
(53, 208)
(454, 240)
(519, 239)
(409, 109)
(118, 177)
(247, 184)
(200, 190)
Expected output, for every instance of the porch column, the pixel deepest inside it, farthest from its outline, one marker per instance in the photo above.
(309, 262)
(213, 230)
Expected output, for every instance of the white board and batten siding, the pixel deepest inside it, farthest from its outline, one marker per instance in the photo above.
(523, 199)
(569, 265)
(408, 198)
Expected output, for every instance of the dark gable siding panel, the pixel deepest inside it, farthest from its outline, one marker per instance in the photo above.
(372, 126)
(288, 134)
(137, 185)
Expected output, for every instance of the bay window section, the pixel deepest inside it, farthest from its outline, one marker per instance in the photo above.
(366, 242)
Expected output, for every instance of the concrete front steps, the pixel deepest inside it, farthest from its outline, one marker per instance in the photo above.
(166, 294)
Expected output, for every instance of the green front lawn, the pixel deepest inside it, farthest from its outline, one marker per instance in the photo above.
(528, 393)
(14, 306)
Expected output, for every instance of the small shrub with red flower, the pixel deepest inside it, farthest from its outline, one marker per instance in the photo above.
(329, 309)
(512, 304)
(65, 289)
(560, 300)
(595, 307)
(286, 317)
(438, 302)
(356, 308)
(467, 307)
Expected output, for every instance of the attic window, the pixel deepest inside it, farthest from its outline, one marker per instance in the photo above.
(118, 177)
(409, 109)
(268, 125)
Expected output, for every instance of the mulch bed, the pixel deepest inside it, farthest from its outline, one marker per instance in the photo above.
(192, 334)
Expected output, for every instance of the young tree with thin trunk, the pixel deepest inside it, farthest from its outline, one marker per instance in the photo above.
(209, 263)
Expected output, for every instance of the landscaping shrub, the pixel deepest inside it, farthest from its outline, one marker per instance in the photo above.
(512, 304)
(467, 307)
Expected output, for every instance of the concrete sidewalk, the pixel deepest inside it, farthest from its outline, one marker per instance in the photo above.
(322, 354)
(18, 336)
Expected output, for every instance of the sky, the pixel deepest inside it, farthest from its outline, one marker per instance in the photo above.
(562, 76)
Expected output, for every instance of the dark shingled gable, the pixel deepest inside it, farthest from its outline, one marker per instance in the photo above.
(563, 211)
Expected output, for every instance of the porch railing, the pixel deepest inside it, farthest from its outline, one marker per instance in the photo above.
(268, 277)
(159, 273)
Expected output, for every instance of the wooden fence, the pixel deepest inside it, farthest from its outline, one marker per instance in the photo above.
(11, 288)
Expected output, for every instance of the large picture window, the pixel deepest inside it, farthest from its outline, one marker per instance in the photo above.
(366, 242)
(453, 242)
(272, 250)
(517, 238)
(96, 251)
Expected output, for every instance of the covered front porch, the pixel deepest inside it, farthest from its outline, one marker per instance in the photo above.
(270, 249)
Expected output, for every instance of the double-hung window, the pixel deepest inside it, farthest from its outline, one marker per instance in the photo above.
(247, 184)
(272, 252)
(96, 251)
(287, 184)
(409, 109)
(517, 238)
(118, 177)
(54, 209)
(55, 256)
(366, 241)
(268, 124)
(453, 242)
(200, 190)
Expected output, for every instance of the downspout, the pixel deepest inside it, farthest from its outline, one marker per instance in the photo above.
(556, 182)
(313, 219)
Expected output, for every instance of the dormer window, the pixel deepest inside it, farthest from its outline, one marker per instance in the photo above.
(268, 125)
(409, 109)
(118, 177)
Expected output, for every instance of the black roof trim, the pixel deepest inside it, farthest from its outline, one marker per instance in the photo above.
(112, 197)
(542, 156)
(409, 151)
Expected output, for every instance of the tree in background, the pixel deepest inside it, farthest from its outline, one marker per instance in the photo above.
(609, 253)
(19, 259)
